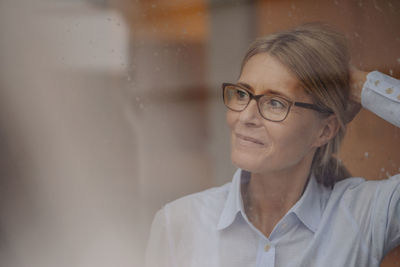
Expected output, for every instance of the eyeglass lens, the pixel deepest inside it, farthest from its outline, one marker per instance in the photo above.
(271, 107)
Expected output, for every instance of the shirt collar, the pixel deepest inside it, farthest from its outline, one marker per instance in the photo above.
(308, 208)
(312, 203)
(233, 203)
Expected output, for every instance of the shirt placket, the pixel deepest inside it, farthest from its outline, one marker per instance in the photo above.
(265, 253)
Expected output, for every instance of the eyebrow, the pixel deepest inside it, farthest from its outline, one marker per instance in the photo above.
(247, 86)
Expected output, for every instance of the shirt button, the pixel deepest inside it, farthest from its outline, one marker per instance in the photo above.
(389, 91)
(267, 247)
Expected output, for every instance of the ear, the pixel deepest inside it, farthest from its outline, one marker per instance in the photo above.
(329, 129)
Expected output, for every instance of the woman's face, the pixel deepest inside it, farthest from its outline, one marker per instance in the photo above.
(262, 146)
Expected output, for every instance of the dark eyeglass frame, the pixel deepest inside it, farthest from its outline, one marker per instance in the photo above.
(258, 97)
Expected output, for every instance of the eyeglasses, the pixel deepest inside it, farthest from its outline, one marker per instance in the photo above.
(271, 107)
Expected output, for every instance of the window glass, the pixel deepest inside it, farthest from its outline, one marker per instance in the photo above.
(112, 108)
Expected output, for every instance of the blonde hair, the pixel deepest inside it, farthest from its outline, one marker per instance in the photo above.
(319, 58)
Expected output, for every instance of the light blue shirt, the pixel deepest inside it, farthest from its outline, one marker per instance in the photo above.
(355, 223)
(381, 95)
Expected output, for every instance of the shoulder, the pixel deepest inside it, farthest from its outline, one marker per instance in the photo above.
(211, 195)
(361, 185)
(206, 205)
(359, 194)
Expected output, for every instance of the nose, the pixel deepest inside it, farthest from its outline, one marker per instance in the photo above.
(251, 115)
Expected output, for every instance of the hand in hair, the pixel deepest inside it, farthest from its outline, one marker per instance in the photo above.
(357, 80)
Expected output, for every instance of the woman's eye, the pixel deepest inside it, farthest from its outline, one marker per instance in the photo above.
(241, 94)
(276, 103)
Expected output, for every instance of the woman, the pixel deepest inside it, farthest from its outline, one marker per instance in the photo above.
(290, 203)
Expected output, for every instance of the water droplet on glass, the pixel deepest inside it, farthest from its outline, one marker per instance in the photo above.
(382, 169)
(153, 6)
(398, 60)
(141, 106)
(391, 72)
(366, 154)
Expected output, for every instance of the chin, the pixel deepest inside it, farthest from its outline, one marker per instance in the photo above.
(247, 161)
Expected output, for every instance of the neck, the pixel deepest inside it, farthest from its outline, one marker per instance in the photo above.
(269, 196)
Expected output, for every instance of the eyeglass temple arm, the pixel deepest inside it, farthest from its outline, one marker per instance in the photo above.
(311, 106)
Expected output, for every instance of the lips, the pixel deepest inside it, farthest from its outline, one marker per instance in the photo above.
(249, 139)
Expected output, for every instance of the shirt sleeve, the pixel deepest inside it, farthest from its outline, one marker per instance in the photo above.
(381, 95)
(387, 216)
(158, 252)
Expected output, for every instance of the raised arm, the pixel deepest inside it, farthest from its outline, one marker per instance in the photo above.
(376, 92)
(380, 94)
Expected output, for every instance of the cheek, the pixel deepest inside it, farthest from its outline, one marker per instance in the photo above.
(300, 137)
(231, 118)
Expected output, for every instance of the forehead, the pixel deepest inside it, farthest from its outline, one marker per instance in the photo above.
(264, 73)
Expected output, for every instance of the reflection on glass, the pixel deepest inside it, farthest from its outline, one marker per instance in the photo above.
(110, 109)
